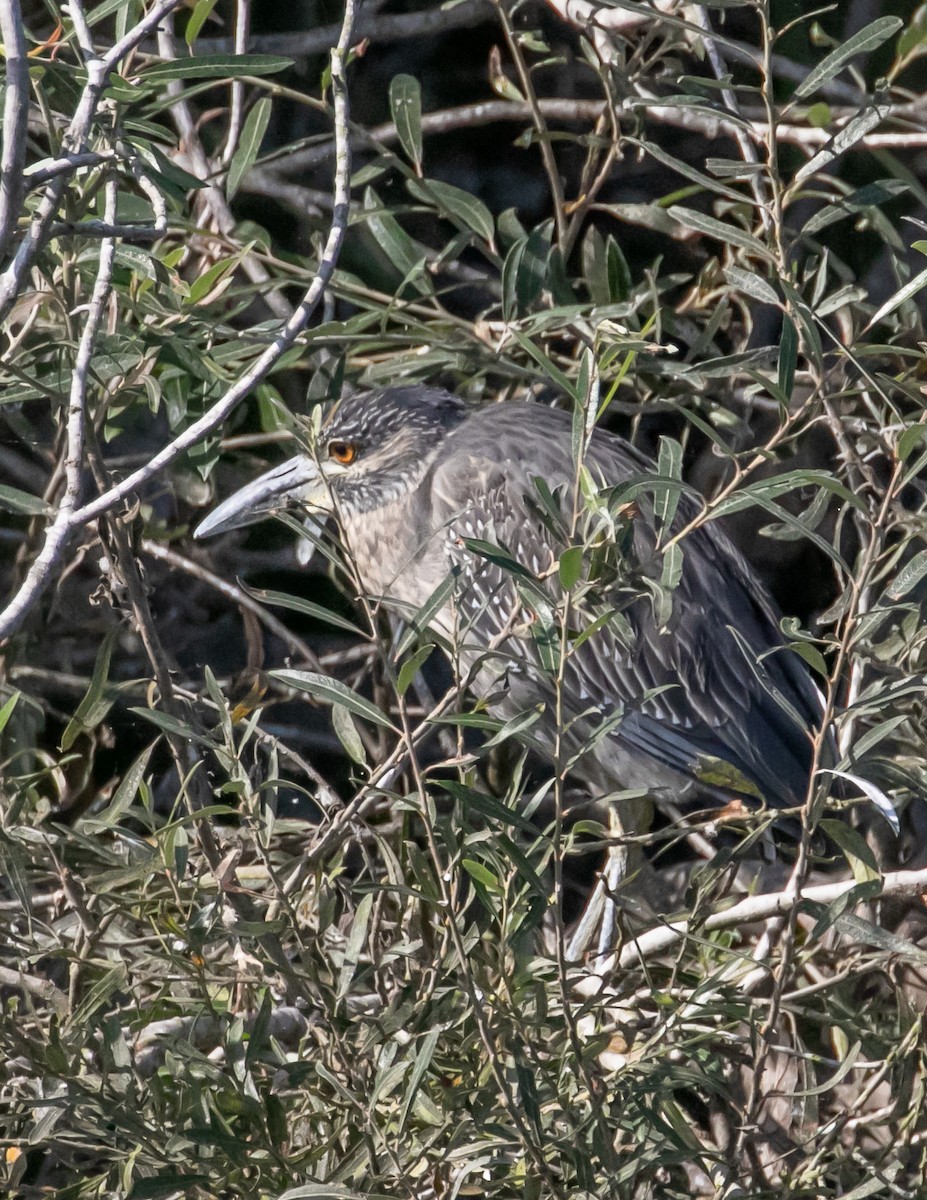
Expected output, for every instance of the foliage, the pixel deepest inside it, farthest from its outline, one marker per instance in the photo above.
(288, 914)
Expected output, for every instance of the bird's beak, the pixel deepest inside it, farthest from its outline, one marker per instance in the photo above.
(296, 482)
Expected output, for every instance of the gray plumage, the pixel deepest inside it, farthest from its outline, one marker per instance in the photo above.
(435, 486)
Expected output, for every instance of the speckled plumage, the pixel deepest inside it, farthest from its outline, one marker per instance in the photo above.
(432, 477)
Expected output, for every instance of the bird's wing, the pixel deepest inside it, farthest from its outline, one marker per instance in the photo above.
(712, 681)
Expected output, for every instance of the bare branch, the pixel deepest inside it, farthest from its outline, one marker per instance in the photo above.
(15, 120)
(390, 28)
(58, 533)
(213, 196)
(758, 908)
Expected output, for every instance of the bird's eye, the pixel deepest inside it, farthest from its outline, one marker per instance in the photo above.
(342, 452)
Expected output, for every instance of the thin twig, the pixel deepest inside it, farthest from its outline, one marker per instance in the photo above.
(237, 102)
(212, 194)
(393, 27)
(237, 595)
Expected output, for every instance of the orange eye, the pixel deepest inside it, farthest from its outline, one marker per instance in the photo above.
(342, 452)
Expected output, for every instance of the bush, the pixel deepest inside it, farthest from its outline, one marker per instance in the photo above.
(289, 915)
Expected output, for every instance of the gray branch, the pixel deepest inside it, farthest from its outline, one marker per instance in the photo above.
(15, 120)
(59, 531)
(391, 28)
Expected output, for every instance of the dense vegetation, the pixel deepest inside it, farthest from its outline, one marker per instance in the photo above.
(314, 940)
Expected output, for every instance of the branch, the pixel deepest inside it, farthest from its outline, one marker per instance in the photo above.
(15, 120)
(69, 518)
(213, 196)
(758, 908)
(446, 120)
(57, 536)
(391, 28)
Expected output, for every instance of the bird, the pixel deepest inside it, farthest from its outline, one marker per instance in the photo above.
(556, 603)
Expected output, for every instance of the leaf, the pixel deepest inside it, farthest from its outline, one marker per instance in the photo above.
(719, 230)
(911, 288)
(405, 102)
(356, 939)
(481, 874)
(96, 703)
(454, 202)
(197, 20)
(788, 357)
(666, 499)
(868, 38)
(14, 501)
(751, 285)
(403, 253)
(421, 1065)
(873, 793)
(346, 732)
(848, 136)
(306, 607)
(908, 577)
(215, 66)
(128, 789)
(912, 437)
(412, 666)
(570, 567)
(332, 691)
(856, 850)
(7, 711)
(249, 146)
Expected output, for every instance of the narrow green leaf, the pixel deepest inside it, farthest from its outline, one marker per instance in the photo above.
(14, 501)
(332, 691)
(96, 703)
(249, 147)
(908, 577)
(421, 1065)
(346, 732)
(788, 357)
(481, 874)
(412, 666)
(7, 711)
(215, 66)
(911, 288)
(666, 499)
(455, 203)
(913, 436)
(352, 950)
(751, 284)
(719, 230)
(306, 607)
(406, 256)
(869, 38)
(848, 136)
(128, 789)
(197, 20)
(570, 567)
(405, 102)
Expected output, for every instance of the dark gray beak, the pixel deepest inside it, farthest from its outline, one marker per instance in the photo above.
(296, 482)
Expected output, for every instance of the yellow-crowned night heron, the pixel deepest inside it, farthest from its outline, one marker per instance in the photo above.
(693, 697)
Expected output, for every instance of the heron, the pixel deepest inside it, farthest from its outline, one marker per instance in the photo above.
(687, 691)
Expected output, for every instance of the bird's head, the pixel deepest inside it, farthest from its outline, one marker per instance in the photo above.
(371, 449)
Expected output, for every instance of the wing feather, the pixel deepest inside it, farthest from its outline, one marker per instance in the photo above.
(703, 686)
